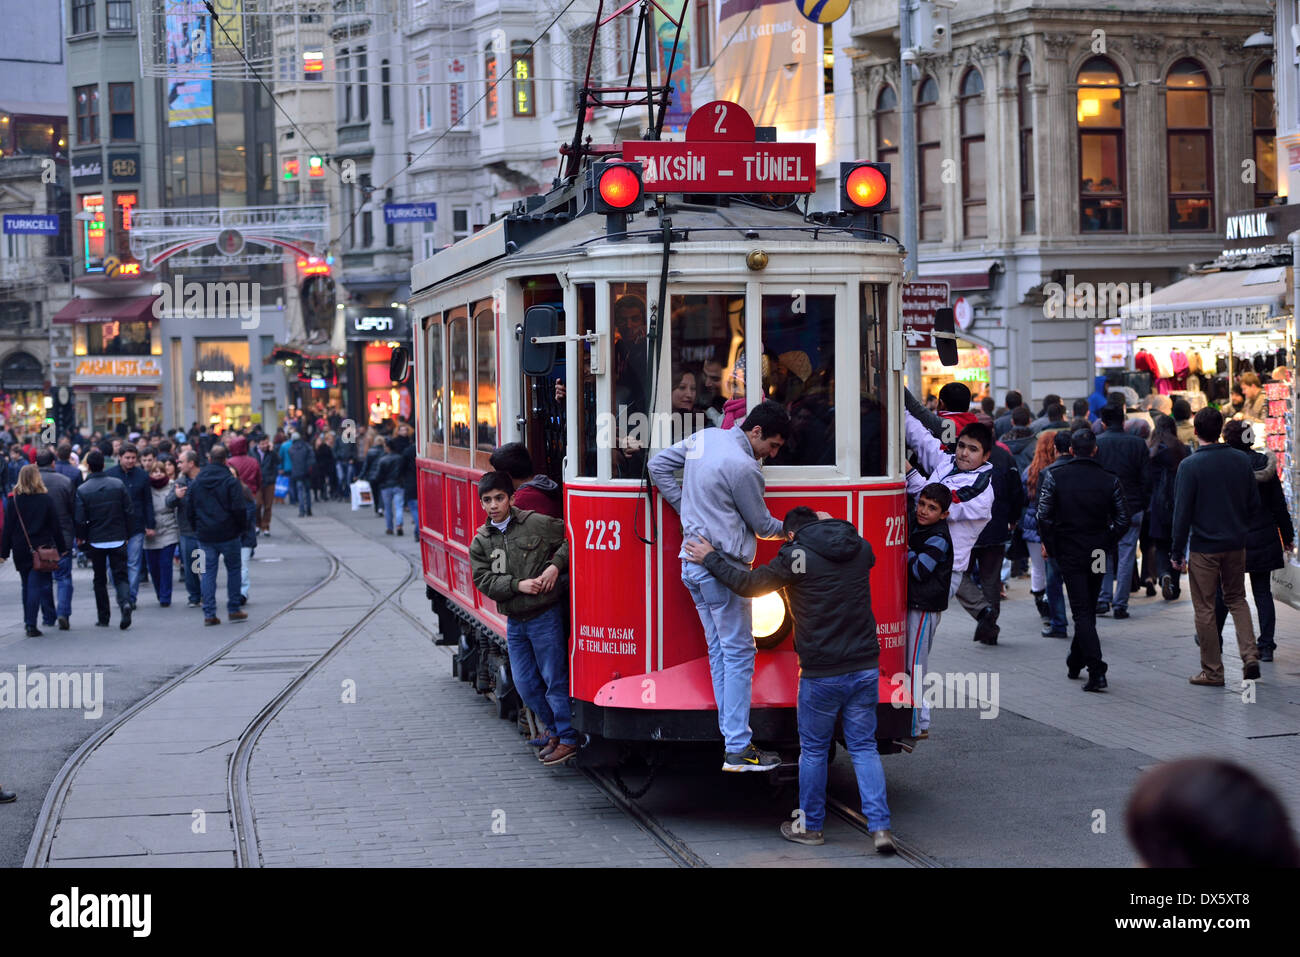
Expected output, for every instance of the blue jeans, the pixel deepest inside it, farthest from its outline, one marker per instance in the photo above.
(393, 499)
(413, 503)
(37, 587)
(1055, 594)
(293, 491)
(134, 562)
(63, 583)
(539, 664)
(343, 472)
(160, 571)
(193, 587)
(728, 630)
(228, 550)
(301, 488)
(1121, 582)
(821, 700)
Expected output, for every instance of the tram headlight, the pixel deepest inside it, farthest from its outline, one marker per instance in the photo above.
(864, 187)
(618, 186)
(770, 621)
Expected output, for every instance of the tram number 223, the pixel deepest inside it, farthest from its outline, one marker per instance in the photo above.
(895, 530)
(604, 536)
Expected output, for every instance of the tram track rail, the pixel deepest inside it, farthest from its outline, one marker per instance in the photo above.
(854, 818)
(47, 820)
(677, 850)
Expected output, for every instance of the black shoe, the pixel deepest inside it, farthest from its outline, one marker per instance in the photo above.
(125, 623)
(7, 797)
(1051, 633)
(63, 623)
(102, 624)
(243, 600)
(399, 530)
(1102, 609)
(1250, 671)
(34, 632)
(1266, 654)
(1073, 673)
(1151, 588)
(1167, 589)
(1040, 602)
(1095, 683)
(1121, 613)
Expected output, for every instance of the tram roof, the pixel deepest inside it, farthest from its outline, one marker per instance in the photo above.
(543, 236)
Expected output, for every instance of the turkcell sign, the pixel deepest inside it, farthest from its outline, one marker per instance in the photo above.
(721, 167)
(32, 225)
(395, 213)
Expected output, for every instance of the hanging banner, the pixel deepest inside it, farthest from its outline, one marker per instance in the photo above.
(189, 63)
(770, 62)
(678, 71)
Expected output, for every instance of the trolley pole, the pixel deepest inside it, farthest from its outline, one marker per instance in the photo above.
(909, 211)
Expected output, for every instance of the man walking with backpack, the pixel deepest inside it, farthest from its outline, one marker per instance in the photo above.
(214, 505)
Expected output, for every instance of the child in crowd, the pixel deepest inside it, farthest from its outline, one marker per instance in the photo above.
(517, 559)
(929, 574)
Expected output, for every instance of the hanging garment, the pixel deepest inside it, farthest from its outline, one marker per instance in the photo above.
(1180, 366)
(1145, 362)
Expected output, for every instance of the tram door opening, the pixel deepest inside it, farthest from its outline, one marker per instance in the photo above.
(544, 429)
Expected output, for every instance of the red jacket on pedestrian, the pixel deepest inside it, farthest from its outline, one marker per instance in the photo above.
(246, 467)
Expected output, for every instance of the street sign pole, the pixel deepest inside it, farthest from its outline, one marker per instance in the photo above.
(909, 211)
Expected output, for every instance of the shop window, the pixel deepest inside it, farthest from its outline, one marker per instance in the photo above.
(1264, 123)
(1191, 167)
(113, 339)
(124, 205)
(887, 140)
(434, 373)
(929, 134)
(222, 383)
(458, 340)
(1025, 112)
(491, 105)
(521, 67)
(87, 103)
(873, 389)
(798, 342)
(974, 186)
(94, 237)
(485, 397)
(1100, 119)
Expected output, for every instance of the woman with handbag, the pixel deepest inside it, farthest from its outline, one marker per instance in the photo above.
(32, 533)
(160, 551)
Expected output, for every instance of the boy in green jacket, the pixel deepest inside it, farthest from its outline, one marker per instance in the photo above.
(517, 558)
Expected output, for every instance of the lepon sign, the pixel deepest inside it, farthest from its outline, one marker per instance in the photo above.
(721, 155)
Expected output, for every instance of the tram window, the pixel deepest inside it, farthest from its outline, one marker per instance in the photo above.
(873, 393)
(708, 357)
(458, 338)
(486, 392)
(631, 380)
(587, 398)
(799, 372)
(436, 397)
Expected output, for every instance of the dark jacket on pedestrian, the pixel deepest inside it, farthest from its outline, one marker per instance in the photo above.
(826, 574)
(63, 494)
(387, 472)
(249, 469)
(69, 471)
(411, 476)
(529, 543)
(344, 451)
(248, 537)
(1128, 458)
(270, 465)
(1081, 508)
(929, 566)
(1216, 501)
(1020, 442)
(104, 510)
(323, 467)
(1008, 499)
(214, 505)
(301, 459)
(41, 519)
(1272, 530)
(371, 461)
(1164, 472)
(137, 486)
(177, 504)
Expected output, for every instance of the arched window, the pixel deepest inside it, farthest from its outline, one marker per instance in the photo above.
(1025, 112)
(1100, 117)
(887, 140)
(1191, 166)
(929, 122)
(974, 189)
(1264, 123)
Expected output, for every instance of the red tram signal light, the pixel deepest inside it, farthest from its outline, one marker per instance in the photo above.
(618, 186)
(864, 187)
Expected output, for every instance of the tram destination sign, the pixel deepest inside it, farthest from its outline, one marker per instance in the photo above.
(721, 154)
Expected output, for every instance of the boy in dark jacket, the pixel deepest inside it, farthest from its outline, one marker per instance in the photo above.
(929, 573)
(517, 558)
(825, 568)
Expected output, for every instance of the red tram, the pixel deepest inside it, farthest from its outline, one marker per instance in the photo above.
(645, 301)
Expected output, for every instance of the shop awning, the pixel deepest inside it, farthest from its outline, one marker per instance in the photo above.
(130, 309)
(1241, 300)
(962, 274)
